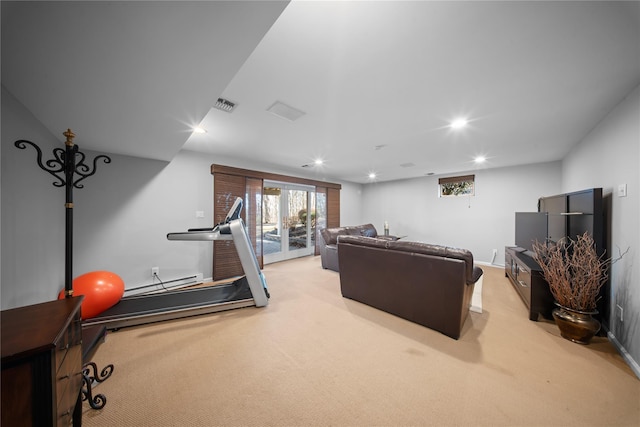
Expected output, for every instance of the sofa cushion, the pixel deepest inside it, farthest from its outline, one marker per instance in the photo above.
(368, 230)
(351, 231)
(365, 241)
(330, 235)
(472, 273)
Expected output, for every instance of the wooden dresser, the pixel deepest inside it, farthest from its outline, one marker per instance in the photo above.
(42, 364)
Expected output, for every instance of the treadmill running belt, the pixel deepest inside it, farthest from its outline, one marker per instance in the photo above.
(144, 308)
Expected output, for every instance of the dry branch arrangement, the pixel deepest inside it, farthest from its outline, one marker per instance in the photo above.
(574, 271)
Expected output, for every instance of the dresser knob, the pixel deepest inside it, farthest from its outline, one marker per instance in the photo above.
(68, 416)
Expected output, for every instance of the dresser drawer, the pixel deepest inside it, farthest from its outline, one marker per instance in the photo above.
(523, 281)
(70, 373)
(68, 384)
(72, 336)
(68, 378)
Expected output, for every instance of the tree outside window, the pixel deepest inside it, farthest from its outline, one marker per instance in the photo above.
(457, 186)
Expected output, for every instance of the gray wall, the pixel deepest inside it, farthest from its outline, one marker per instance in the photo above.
(121, 216)
(32, 212)
(350, 204)
(125, 211)
(479, 223)
(607, 157)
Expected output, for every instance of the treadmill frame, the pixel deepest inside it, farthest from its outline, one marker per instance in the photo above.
(249, 290)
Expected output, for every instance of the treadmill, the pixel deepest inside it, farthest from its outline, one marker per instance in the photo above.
(247, 291)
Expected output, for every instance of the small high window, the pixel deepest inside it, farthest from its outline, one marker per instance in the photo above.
(457, 186)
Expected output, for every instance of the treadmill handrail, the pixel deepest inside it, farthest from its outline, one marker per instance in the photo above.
(238, 233)
(200, 235)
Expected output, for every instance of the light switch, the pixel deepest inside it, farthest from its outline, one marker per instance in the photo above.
(622, 190)
(199, 214)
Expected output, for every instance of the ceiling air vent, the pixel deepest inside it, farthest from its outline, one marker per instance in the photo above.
(225, 105)
(284, 111)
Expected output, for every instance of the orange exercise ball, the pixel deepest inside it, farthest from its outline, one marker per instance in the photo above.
(101, 290)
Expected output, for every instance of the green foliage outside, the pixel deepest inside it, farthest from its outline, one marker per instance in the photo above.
(302, 214)
(456, 188)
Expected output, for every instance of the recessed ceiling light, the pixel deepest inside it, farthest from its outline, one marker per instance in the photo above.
(316, 162)
(198, 129)
(459, 123)
(372, 175)
(480, 159)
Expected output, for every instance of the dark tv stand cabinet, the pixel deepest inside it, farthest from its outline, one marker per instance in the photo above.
(526, 277)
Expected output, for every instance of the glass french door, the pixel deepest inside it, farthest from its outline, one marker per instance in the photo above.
(288, 221)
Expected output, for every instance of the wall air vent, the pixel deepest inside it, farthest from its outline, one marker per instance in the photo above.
(284, 111)
(224, 105)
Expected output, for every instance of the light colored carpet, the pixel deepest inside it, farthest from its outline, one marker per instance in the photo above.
(313, 358)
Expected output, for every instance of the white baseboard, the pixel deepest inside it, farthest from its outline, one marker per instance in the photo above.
(489, 264)
(172, 284)
(625, 354)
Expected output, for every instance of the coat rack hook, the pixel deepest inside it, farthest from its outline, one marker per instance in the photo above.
(64, 166)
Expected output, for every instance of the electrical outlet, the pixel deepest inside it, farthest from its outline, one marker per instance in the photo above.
(155, 271)
(620, 312)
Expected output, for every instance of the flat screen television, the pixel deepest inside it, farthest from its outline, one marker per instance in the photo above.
(531, 226)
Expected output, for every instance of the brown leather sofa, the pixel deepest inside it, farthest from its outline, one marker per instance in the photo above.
(427, 284)
(329, 242)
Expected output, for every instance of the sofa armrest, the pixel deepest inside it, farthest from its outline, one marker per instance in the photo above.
(329, 258)
(475, 275)
(330, 235)
(328, 251)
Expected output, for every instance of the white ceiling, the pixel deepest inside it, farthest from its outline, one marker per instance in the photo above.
(131, 78)
(128, 77)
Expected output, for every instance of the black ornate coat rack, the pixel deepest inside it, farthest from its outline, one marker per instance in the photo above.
(67, 163)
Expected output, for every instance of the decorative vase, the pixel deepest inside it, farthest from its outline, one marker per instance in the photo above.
(577, 326)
